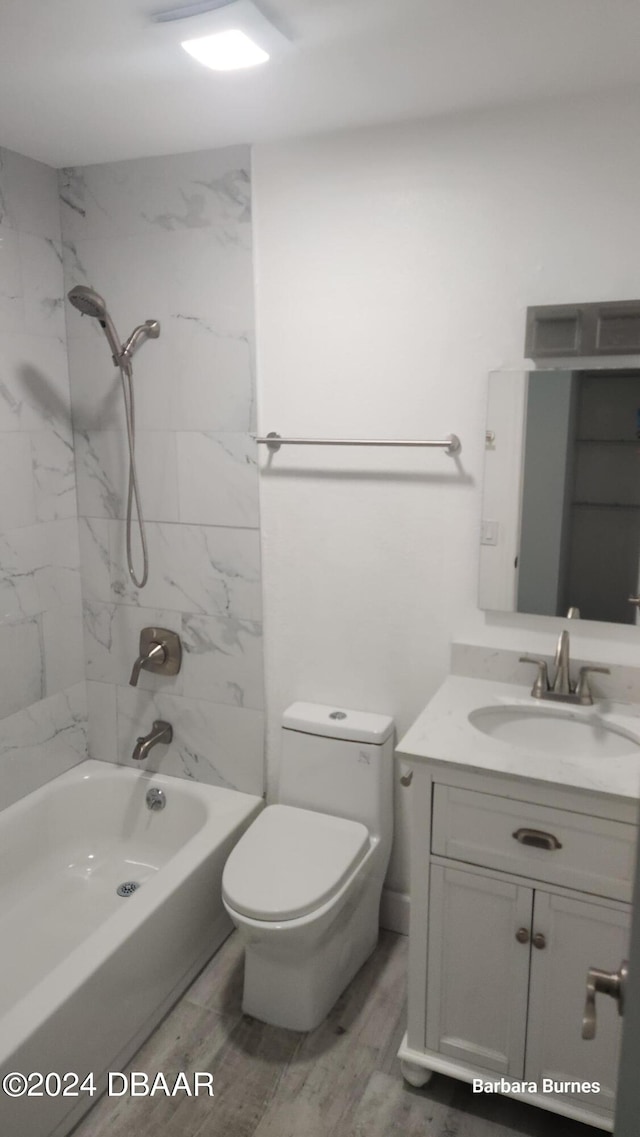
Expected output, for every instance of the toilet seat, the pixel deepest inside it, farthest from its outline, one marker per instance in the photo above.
(291, 861)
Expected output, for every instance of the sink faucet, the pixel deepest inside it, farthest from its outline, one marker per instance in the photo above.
(160, 732)
(561, 683)
(562, 690)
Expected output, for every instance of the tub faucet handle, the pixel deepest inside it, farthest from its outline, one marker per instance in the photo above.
(160, 651)
(155, 654)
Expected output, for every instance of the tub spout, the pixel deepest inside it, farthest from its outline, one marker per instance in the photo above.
(160, 732)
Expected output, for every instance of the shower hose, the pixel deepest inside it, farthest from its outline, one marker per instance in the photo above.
(133, 493)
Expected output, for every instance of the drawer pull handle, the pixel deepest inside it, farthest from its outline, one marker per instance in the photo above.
(537, 838)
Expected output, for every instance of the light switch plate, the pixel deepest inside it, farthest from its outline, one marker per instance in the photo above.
(489, 533)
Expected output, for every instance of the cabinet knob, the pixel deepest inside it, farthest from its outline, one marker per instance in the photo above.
(522, 935)
(539, 941)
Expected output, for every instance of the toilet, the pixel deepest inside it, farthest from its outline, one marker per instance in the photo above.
(303, 883)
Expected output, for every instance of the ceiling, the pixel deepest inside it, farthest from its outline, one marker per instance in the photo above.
(85, 81)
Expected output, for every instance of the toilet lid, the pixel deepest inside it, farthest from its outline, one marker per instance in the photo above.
(291, 861)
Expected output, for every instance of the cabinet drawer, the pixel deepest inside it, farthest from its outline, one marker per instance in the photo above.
(588, 853)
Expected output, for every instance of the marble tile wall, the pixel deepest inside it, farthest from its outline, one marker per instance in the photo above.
(42, 691)
(170, 239)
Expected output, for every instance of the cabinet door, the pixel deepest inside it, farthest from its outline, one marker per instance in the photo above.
(477, 971)
(577, 935)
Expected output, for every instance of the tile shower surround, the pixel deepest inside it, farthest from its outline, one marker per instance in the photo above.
(170, 239)
(42, 692)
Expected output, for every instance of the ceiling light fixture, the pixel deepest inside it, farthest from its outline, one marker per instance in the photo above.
(227, 34)
(226, 51)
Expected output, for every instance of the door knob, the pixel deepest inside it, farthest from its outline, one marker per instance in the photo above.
(611, 983)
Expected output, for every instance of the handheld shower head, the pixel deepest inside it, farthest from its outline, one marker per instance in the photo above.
(89, 303)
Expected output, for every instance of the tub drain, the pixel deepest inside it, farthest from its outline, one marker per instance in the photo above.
(127, 887)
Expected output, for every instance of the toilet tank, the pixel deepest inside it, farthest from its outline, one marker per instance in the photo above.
(339, 762)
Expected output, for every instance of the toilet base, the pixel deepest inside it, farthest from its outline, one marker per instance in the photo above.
(296, 989)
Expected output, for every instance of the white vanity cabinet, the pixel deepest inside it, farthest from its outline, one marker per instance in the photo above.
(517, 889)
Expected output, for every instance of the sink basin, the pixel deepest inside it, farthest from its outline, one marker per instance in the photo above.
(554, 732)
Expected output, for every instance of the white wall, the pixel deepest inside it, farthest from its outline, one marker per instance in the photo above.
(42, 691)
(393, 268)
(498, 574)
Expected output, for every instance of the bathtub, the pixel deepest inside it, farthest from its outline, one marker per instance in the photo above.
(86, 974)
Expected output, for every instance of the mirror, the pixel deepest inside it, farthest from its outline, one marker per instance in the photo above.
(560, 522)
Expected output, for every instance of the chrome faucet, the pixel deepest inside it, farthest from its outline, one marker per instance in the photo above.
(562, 690)
(160, 732)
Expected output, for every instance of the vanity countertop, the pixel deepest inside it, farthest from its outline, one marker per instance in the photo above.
(442, 733)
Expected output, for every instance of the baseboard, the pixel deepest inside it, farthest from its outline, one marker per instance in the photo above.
(394, 911)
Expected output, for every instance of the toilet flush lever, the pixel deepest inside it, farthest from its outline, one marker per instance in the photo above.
(611, 983)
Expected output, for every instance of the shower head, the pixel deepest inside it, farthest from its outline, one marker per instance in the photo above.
(89, 303)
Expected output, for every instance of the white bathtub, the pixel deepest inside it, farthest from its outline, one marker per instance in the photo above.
(85, 975)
